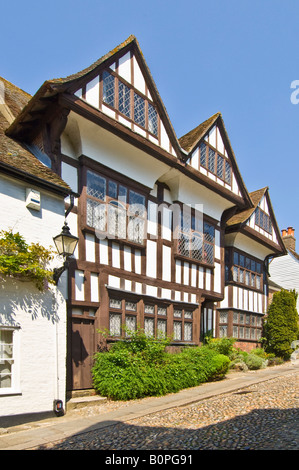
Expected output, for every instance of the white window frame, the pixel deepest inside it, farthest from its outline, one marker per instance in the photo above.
(15, 362)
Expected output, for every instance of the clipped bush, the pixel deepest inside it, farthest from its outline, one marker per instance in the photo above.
(221, 345)
(141, 367)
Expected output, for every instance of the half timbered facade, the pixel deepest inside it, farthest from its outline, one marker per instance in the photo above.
(169, 237)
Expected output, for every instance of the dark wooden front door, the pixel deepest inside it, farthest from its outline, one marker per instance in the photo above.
(83, 349)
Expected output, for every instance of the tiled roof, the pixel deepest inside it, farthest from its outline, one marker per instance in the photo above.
(243, 216)
(13, 154)
(189, 140)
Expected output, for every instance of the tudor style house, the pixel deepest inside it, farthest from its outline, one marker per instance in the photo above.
(169, 237)
(32, 322)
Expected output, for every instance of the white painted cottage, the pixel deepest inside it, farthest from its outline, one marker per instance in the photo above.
(32, 323)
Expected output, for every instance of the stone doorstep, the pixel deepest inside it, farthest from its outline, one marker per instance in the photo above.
(82, 401)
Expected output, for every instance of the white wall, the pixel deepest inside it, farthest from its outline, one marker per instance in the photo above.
(38, 318)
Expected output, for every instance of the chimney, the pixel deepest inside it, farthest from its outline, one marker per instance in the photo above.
(289, 238)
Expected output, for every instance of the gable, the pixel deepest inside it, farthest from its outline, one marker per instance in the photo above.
(262, 219)
(212, 156)
(122, 89)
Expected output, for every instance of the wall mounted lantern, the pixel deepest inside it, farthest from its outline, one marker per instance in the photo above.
(65, 244)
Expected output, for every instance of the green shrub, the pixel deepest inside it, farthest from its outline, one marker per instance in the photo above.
(281, 325)
(222, 345)
(141, 367)
(254, 362)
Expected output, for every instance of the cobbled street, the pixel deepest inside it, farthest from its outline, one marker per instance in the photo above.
(263, 416)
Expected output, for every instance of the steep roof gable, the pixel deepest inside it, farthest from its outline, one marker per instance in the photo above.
(218, 162)
(259, 219)
(133, 84)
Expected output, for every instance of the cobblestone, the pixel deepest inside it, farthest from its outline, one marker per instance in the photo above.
(263, 416)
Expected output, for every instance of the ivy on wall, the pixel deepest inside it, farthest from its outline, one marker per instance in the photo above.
(23, 261)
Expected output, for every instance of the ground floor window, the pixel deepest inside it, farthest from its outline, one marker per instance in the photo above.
(245, 326)
(6, 358)
(157, 319)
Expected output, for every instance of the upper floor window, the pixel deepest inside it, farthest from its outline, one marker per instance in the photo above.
(196, 239)
(128, 102)
(217, 164)
(247, 271)
(263, 220)
(114, 209)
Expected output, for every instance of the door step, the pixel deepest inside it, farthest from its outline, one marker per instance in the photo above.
(81, 402)
(81, 398)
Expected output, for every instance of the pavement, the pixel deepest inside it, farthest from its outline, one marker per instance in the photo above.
(32, 435)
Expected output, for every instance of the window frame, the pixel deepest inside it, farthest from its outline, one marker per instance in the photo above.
(240, 273)
(148, 112)
(14, 388)
(119, 204)
(208, 160)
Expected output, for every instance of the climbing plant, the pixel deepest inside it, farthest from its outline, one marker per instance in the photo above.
(23, 261)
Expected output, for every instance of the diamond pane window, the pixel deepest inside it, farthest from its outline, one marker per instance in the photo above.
(96, 186)
(115, 303)
(220, 162)
(209, 233)
(236, 317)
(130, 324)
(241, 332)
(108, 88)
(184, 245)
(136, 229)
(223, 331)
(211, 161)
(203, 155)
(149, 326)
(197, 246)
(223, 317)
(162, 311)
(188, 331)
(139, 110)
(152, 120)
(228, 172)
(177, 330)
(96, 215)
(161, 328)
(131, 306)
(235, 332)
(177, 313)
(149, 309)
(117, 220)
(124, 101)
(112, 189)
(209, 253)
(137, 203)
(115, 324)
(188, 314)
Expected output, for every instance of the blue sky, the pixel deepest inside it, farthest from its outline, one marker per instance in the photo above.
(238, 57)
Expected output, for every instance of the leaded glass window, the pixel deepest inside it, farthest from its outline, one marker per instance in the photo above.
(115, 303)
(130, 324)
(223, 331)
(177, 330)
(149, 326)
(188, 331)
(115, 324)
(220, 166)
(188, 314)
(124, 101)
(149, 309)
(211, 161)
(228, 172)
(96, 185)
(177, 313)
(131, 306)
(139, 110)
(161, 328)
(108, 88)
(152, 120)
(162, 311)
(203, 155)
(96, 215)
(117, 217)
